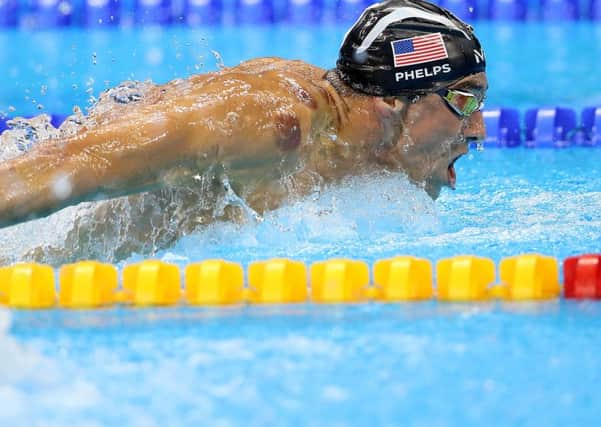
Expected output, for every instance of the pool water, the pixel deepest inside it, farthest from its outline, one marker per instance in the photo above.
(418, 364)
(63, 68)
(426, 364)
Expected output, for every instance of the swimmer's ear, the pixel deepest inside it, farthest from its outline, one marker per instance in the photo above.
(391, 110)
(390, 106)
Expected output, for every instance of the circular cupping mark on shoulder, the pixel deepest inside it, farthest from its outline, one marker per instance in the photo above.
(289, 131)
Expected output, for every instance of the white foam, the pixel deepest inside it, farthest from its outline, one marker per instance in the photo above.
(340, 215)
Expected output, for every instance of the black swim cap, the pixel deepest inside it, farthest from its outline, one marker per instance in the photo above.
(406, 46)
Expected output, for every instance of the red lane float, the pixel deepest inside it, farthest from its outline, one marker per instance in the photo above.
(582, 277)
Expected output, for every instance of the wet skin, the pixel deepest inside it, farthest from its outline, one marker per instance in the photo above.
(257, 122)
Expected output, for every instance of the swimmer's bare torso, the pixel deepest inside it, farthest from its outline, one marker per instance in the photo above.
(258, 122)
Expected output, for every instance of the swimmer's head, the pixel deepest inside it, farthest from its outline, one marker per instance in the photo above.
(399, 47)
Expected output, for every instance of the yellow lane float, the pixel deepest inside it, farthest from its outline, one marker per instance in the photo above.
(214, 282)
(339, 281)
(464, 278)
(530, 278)
(152, 283)
(28, 286)
(403, 279)
(277, 281)
(87, 284)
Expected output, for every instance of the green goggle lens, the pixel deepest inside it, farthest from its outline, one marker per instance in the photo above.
(463, 104)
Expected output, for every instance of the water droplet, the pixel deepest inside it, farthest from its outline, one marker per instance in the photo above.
(43, 89)
(218, 59)
(11, 109)
(480, 146)
(75, 86)
(40, 107)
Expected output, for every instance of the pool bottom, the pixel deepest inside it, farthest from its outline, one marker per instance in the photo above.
(419, 364)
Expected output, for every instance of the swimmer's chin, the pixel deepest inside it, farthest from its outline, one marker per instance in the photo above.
(433, 190)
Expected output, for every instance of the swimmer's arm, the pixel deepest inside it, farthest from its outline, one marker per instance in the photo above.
(139, 150)
(117, 159)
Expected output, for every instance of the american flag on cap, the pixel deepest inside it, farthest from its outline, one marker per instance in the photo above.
(419, 50)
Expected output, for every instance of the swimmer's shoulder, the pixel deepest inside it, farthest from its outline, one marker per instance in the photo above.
(280, 65)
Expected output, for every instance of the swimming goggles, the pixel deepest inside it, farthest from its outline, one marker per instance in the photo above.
(464, 104)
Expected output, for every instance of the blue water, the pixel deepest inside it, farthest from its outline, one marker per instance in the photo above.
(417, 364)
(414, 365)
(59, 69)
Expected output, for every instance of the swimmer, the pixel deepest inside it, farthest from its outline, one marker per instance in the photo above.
(405, 96)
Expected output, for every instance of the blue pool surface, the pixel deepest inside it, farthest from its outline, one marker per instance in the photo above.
(425, 364)
(414, 365)
(58, 69)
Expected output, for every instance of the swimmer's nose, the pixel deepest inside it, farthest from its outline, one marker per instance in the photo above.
(475, 130)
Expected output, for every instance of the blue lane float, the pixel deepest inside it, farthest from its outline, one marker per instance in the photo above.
(57, 120)
(560, 10)
(595, 9)
(107, 13)
(254, 12)
(502, 127)
(348, 11)
(203, 12)
(466, 10)
(9, 12)
(591, 123)
(304, 12)
(507, 10)
(98, 13)
(550, 127)
(52, 13)
(153, 12)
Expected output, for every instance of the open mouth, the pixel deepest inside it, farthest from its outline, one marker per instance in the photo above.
(451, 174)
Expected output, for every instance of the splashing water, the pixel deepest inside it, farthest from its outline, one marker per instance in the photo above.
(218, 60)
(25, 133)
(125, 93)
(333, 221)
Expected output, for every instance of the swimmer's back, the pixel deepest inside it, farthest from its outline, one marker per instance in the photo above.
(289, 81)
(265, 67)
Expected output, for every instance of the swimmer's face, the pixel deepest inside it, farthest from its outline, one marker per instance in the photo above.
(434, 137)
